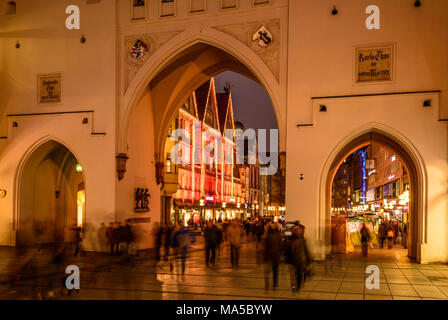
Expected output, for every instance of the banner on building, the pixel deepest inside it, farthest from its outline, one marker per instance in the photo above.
(374, 64)
(49, 87)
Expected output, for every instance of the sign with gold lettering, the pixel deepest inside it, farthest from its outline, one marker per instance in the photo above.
(49, 87)
(374, 64)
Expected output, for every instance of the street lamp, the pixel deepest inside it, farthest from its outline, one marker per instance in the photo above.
(201, 203)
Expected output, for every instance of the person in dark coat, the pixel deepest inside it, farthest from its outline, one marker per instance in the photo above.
(118, 236)
(365, 238)
(77, 238)
(212, 240)
(272, 246)
(300, 256)
(168, 230)
(110, 236)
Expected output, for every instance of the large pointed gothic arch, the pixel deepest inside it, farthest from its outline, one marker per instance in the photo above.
(399, 144)
(237, 57)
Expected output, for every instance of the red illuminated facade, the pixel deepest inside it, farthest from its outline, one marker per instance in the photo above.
(216, 189)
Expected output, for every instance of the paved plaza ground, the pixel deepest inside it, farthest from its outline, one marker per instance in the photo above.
(104, 277)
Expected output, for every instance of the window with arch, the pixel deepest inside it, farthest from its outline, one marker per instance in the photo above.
(138, 9)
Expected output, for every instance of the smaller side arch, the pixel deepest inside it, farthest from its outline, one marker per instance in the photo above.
(23, 161)
(395, 141)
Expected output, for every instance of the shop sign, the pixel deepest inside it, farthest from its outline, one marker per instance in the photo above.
(374, 64)
(209, 198)
(49, 86)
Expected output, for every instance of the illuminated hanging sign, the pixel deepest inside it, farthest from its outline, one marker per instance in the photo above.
(208, 198)
(391, 176)
(232, 199)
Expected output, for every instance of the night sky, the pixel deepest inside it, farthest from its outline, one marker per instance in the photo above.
(251, 103)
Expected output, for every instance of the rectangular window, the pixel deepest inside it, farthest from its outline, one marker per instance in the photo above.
(197, 6)
(138, 9)
(167, 8)
(260, 2)
(228, 4)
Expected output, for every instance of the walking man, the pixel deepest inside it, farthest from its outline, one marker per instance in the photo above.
(272, 254)
(365, 237)
(234, 234)
(211, 235)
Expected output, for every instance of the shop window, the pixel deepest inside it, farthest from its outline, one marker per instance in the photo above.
(167, 8)
(228, 4)
(11, 7)
(197, 6)
(138, 9)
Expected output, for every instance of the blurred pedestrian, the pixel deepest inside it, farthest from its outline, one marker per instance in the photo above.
(77, 238)
(212, 240)
(121, 238)
(168, 230)
(365, 238)
(272, 254)
(158, 236)
(182, 240)
(300, 257)
(101, 239)
(405, 236)
(110, 236)
(234, 234)
(390, 237)
(382, 234)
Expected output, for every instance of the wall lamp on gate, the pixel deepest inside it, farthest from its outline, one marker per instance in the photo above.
(322, 108)
(334, 12)
(417, 3)
(121, 164)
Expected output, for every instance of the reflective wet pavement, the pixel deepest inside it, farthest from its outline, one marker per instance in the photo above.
(115, 278)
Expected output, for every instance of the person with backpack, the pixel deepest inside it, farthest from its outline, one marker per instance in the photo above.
(182, 240)
(365, 237)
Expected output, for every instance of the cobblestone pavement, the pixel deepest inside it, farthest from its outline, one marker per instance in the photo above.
(104, 277)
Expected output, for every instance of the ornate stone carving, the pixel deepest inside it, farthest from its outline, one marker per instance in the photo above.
(141, 200)
(152, 41)
(270, 54)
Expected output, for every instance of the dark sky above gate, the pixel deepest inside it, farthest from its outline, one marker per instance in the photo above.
(252, 104)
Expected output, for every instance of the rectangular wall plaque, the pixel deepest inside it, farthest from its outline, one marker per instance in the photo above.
(49, 86)
(374, 64)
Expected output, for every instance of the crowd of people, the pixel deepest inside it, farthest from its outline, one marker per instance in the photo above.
(173, 244)
(271, 247)
(394, 232)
